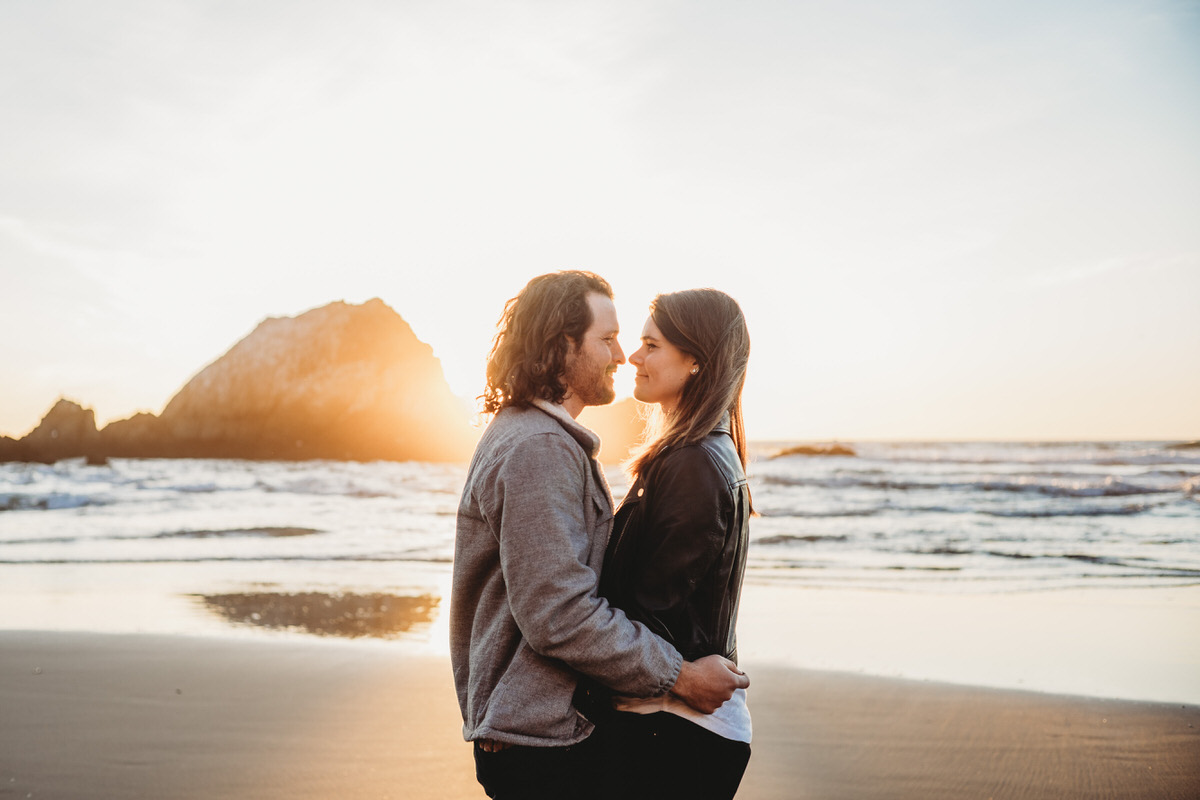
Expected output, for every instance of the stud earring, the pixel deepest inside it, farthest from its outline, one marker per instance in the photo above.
(695, 370)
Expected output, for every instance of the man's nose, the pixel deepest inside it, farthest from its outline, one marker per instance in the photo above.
(618, 355)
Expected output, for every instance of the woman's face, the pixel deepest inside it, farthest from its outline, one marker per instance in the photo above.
(662, 369)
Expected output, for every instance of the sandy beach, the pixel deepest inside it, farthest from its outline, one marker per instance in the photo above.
(184, 629)
(91, 715)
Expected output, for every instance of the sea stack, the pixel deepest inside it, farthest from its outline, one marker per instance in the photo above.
(343, 381)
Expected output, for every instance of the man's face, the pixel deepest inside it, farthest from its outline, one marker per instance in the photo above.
(592, 362)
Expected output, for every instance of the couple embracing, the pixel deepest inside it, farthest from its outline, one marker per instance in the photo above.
(594, 652)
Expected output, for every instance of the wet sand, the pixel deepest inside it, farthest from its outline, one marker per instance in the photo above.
(88, 715)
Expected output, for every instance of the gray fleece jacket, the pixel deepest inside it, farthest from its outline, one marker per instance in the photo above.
(525, 619)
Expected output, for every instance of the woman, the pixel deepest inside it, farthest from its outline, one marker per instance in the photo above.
(678, 550)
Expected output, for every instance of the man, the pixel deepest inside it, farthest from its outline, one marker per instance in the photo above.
(533, 523)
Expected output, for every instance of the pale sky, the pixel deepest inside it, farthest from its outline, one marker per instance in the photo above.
(944, 219)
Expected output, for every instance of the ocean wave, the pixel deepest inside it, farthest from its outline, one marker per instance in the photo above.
(1109, 487)
(1051, 507)
(1148, 460)
(786, 538)
(796, 514)
(881, 521)
(270, 532)
(324, 488)
(1046, 513)
(187, 477)
(987, 455)
(187, 488)
(48, 502)
(413, 557)
(264, 532)
(943, 550)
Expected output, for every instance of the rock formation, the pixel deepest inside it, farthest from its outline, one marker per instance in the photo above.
(340, 382)
(67, 430)
(834, 449)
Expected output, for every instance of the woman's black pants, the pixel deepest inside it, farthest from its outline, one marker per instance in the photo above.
(662, 755)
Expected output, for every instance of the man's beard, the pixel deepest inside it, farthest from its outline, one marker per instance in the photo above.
(588, 381)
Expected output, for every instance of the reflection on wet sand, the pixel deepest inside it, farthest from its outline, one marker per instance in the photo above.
(382, 616)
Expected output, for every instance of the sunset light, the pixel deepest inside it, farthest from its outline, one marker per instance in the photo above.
(940, 224)
(910, 504)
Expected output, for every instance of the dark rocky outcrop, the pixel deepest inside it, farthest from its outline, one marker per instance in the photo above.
(141, 433)
(340, 382)
(68, 430)
(834, 449)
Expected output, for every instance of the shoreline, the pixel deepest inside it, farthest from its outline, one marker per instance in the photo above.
(1133, 643)
(137, 715)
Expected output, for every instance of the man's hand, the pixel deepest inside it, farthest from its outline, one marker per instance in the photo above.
(708, 682)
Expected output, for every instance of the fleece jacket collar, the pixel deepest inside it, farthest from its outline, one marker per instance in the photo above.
(588, 440)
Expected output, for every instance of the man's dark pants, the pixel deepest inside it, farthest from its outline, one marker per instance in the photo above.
(539, 773)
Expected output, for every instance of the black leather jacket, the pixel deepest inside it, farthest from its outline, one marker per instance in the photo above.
(678, 549)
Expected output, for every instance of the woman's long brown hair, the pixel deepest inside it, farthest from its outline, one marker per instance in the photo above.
(708, 325)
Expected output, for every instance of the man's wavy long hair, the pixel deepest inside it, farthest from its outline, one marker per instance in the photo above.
(535, 333)
(708, 325)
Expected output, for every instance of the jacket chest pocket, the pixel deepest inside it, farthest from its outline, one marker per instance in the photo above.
(600, 525)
